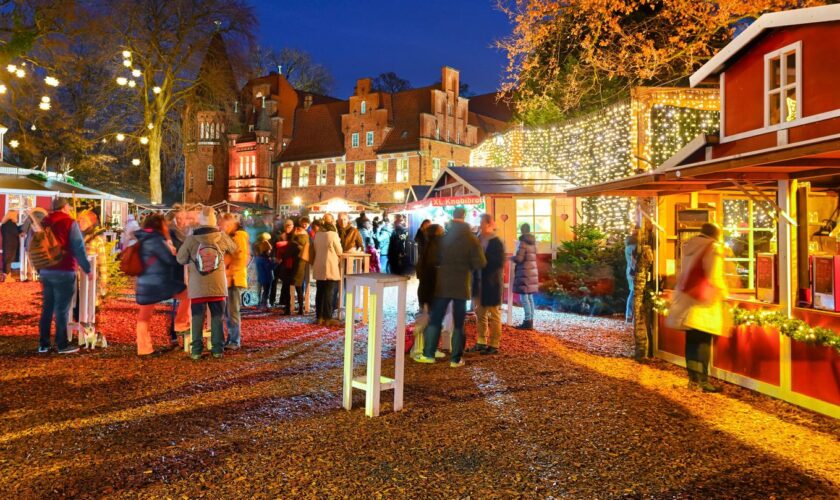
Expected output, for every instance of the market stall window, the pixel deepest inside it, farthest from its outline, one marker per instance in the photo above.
(211, 174)
(782, 85)
(303, 177)
(749, 228)
(537, 214)
(286, 180)
(359, 173)
(19, 202)
(340, 174)
(381, 171)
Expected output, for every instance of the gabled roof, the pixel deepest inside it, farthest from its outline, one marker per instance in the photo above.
(489, 181)
(317, 132)
(407, 107)
(766, 22)
(486, 125)
(491, 106)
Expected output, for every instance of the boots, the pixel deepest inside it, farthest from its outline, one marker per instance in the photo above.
(526, 325)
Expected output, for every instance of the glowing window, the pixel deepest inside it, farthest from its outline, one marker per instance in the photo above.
(782, 86)
(537, 214)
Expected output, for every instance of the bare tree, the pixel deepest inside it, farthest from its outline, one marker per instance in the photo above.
(163, 43)
(298, 68)
(390, 82)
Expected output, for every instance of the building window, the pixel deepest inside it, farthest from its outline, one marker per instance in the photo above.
(749, 228)
(448, 109)
(435, 168)
(369, 138)
(447, 134)
(381, 171)
(782, 86)
(450, 163)
(458, 137)
(354, 140)
(190, 182)
(437, 133)
(321, 180)
(211, 174)
(340, 174)
(402, 170)
(537, 214)
(359, 172)
(364, 107)
(303, 177)
(286, 180)
(253, 166)
(241, 166)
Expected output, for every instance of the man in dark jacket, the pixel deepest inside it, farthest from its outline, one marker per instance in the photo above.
(178, 230)
(487, 289)
(59, 281)
(460, 254)
(398, 246)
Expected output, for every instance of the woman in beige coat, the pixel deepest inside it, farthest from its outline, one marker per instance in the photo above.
(698, 306)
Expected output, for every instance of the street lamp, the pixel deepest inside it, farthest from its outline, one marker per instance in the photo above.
(399, 195)
(296, 201)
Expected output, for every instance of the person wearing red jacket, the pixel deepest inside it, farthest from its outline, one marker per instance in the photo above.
(59, 281)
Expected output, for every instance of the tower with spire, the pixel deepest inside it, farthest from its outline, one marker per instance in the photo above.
(207, 127)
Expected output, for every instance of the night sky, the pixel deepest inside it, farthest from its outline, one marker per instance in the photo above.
(361, 38)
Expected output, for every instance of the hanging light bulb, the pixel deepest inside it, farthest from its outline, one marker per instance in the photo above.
(104, 140)
(20, 73)
(120, 137)
(150, 126)
(14, 143)
(45, 99)
(33, 128)
(156, 90)
(2, 89)
(126, 54)
(51, 81)
(45, 106)
(136, 73)
(135, 161)
(121, 80)
(11, 68)
(144, 140)
(127, 63)
(132, 83)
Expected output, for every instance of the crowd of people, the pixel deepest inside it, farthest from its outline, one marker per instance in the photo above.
(200, 261)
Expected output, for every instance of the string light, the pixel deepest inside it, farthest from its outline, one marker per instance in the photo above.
(14, 143)
(150, 126)
(33, 128)
(126, 54)
(104, 140)
(127, 63)
(135, 161)
(3, 89)
(615, 142)
(144, 140)
(136, 73)
(121, 80)
(51, 81)
(11, 68)
(156, 90)
(120, 137)
(132, 83)
(20, 73)
(45, 103)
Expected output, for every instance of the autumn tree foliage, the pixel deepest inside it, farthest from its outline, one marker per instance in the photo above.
(567, 56)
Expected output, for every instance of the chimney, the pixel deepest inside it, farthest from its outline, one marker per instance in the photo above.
(3, 131)
(307, 101)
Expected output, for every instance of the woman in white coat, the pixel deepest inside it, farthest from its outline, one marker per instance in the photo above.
(326, 271)
(698, 306)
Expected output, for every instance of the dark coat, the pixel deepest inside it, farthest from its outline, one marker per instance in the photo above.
(427, 271)
(488, 282)
(460, 254)
(158, 281)
(526, 278)
(299, 266)
(11, 238)
(396, 250)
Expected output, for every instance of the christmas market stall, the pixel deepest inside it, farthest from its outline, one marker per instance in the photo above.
(770, 178)
(338, 205)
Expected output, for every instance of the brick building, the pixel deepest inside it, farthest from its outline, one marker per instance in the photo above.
(271, 143)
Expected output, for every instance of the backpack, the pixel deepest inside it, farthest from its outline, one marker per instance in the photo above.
(45, 250)
(131, 264)
(207, 258)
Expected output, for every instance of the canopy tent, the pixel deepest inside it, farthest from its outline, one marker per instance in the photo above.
(338, 205)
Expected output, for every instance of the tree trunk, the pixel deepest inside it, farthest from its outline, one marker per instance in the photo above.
(155, 189)
(640, 324)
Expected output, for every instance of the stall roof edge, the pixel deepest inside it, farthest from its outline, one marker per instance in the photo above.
(489, 181)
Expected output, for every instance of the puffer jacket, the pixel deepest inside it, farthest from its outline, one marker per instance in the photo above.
(236, 264)
(460, 254)
(213, 284)
(526, 279)
(157, 283)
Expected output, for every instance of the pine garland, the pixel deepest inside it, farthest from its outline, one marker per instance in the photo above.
(790, 327)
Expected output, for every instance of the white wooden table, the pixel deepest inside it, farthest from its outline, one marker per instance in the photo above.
(373, 382)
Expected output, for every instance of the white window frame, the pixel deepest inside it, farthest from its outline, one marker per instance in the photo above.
(286, 178)
(211, 174)
(369, 138)
(354, 140)
(435, 168)
(303, 176)
(402, 170)
(359, 173)
(340, 174)
(241, 166)
(784, 86)
(382, 171)
(363, 107)
(321, 175)
(450, 163)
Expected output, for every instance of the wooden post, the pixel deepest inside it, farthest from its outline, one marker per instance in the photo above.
(348, 354)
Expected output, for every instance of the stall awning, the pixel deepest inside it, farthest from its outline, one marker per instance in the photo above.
(21, 185)
(337, 205)
(485, 181)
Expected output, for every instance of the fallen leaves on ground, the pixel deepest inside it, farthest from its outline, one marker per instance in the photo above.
(560, 412)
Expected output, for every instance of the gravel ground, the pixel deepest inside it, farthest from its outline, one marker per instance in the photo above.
(561, 412)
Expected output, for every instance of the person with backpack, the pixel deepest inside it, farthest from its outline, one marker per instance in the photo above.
(236, 269)
(398, 248)
(203, 252)
(157, 282)
(57, 250)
